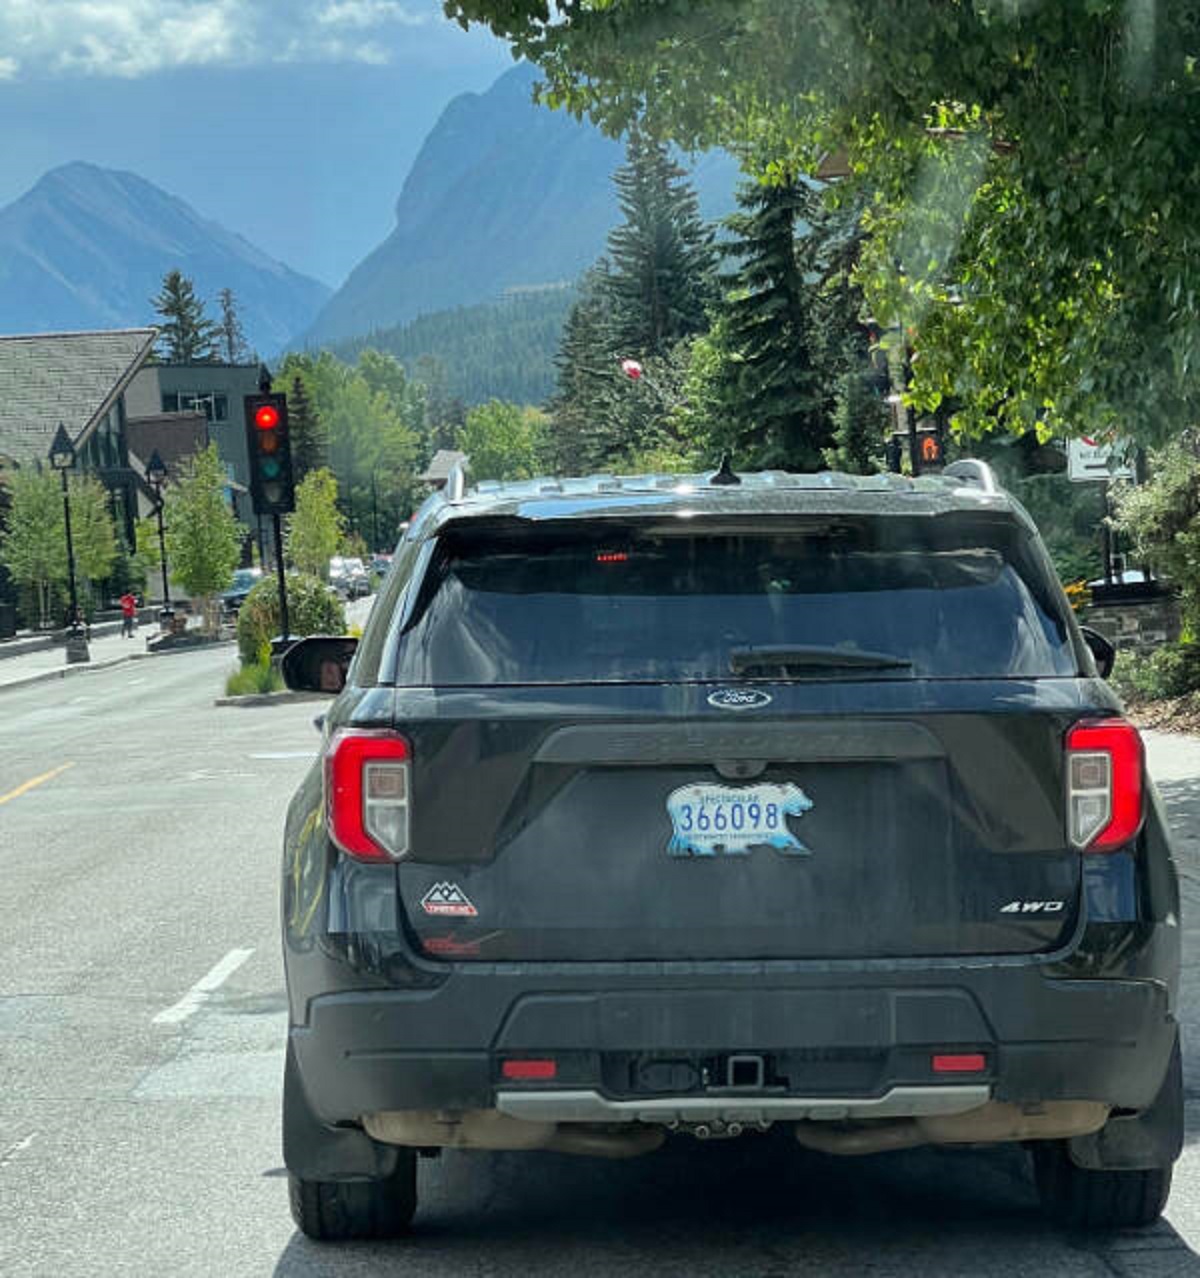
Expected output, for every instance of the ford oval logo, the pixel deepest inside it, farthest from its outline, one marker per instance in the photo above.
(739, 699)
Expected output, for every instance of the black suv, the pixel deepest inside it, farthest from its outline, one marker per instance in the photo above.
(700, 805)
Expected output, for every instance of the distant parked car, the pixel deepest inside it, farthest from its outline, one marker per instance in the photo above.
(348, 576)
(244, 580)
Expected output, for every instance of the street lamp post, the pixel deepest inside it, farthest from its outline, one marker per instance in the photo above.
(156, 476)
(62, 458)
(374, 512)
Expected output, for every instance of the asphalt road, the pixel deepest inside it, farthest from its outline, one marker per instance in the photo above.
(142, 1016)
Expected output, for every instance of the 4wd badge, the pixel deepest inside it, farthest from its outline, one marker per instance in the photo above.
(448, 899)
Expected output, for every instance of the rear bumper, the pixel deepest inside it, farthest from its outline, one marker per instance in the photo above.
(849, 1036)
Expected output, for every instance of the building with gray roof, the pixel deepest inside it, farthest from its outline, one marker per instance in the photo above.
(77, 379)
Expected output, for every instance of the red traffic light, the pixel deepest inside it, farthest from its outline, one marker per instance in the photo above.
(266, 417)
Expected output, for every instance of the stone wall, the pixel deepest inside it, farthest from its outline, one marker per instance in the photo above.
(1140, 625)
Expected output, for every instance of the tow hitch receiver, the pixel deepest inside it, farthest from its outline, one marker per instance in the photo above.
(745, 1073)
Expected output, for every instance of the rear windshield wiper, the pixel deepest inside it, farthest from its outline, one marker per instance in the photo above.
(787, 657)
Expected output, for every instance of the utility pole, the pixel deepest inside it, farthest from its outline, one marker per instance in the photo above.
(284, 628)
(62, 458)
(156, 476)
(272, 490)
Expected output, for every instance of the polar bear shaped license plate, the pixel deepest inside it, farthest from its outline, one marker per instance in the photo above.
(708, 820)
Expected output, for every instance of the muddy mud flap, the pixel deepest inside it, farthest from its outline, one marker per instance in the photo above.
(314, 1150)
(1139, 1142)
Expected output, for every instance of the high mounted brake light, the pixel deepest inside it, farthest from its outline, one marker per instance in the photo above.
(1105, 771)
(367, 789)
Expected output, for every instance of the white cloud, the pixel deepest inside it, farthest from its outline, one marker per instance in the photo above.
(131, 38)
(362, 15)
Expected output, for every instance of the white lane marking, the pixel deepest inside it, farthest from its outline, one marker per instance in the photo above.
(285, 754)
(198, 994)
(19, 1148)
(133, 683)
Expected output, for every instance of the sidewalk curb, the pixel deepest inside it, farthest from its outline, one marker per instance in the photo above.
(44, 676)
(43, 642)
(90, 667)
(271, 698)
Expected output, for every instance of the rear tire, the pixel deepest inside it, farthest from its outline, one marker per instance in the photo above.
(341, 1210)
(1083, 1199)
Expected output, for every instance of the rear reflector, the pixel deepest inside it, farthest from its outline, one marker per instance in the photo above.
(526, 1070)
(959, 1063)
(1105, 770)
(449, 946)
(367, 784)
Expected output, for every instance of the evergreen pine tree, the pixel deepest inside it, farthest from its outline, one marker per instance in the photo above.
(841, 345)
(310, 440)
(230, 334)
(583, 426)
(774, 381)
(662, 256)
(187, 335)
(646, 299)
(860, 421)
(650, 293)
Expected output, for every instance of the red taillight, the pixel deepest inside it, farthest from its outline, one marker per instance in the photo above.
(367, 787)
(1105, 767)
(525, 1070)
(959, 1063)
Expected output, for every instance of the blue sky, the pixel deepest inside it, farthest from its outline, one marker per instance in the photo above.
(291, 122)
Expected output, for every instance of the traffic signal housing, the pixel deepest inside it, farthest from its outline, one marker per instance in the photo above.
(272, 490)
(931, 451)
(925, 450)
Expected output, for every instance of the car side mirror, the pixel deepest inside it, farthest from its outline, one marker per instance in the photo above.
(1103, 651)
(318, 663)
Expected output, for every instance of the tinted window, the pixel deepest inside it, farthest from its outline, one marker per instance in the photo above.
(945, 601)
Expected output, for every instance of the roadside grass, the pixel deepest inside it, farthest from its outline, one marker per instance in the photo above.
(260, 677)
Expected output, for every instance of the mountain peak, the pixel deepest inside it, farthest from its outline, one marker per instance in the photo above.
(504, 194)
(87, 247)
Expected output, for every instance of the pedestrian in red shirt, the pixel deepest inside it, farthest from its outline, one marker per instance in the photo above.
(128, 613)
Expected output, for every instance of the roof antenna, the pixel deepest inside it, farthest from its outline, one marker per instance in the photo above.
(725, 475)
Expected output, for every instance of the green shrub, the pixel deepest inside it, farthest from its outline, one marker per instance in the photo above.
(313, 609)
(261, 676)
(1170, 671)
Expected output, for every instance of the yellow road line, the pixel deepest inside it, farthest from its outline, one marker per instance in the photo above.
(32, 782)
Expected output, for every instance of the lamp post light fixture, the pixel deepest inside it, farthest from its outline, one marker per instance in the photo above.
(156, 477)
(62, 458)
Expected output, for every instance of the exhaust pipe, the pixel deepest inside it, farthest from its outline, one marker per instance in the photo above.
(990, 1124)
(578, 1139)
(827, 1139)
(490, 1129)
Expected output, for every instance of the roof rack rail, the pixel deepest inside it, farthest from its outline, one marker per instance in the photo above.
(456, 482)
(973, 473)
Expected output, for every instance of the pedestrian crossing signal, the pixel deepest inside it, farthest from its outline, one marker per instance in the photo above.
(931, 451)
(924, 451)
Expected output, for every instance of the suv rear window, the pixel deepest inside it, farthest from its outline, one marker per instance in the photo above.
(572, 604)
